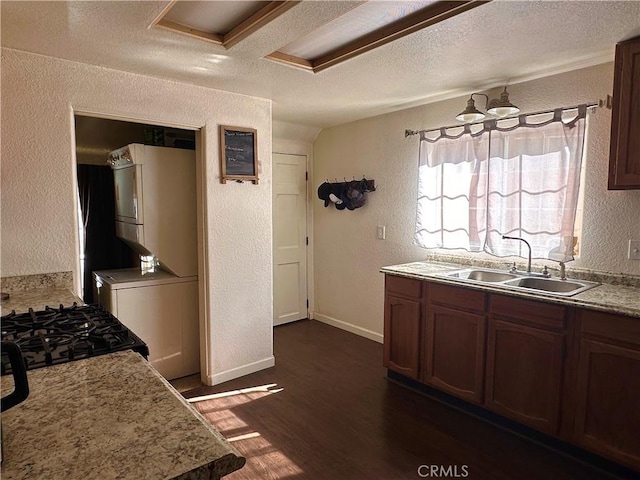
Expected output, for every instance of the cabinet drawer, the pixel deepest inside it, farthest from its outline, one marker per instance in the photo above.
(408, 287)
(457, 297)
(610, 325)
(541, 314)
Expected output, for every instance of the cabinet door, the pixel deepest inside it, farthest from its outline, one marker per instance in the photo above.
(165, 317)
(454, 351)
(624, 159)
(608, 408)
(524, 374)
(402, 335)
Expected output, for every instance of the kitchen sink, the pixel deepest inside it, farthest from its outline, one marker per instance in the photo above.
(555, 286)
(547, 284)
(482, 275)
(521, 281)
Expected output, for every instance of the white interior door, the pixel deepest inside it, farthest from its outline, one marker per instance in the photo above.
(289, 238)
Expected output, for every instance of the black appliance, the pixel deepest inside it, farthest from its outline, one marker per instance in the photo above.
(58, 335)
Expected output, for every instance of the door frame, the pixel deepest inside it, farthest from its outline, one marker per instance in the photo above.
(201, 216)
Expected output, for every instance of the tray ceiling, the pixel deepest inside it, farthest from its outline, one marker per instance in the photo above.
(497, 43)
(370, 24)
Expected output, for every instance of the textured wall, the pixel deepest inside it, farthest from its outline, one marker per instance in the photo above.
(39, 96)
(348, 287)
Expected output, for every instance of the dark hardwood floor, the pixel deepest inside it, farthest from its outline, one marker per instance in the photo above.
(326, 411)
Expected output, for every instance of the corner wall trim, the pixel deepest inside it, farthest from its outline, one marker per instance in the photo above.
(234, 373)
(349, 327)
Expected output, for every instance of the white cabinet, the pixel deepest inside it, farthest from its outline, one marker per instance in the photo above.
(161, 309)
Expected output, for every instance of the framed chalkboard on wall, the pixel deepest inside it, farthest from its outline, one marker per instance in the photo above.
(238, 154)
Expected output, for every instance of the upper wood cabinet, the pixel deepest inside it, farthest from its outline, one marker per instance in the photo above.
(624, 159)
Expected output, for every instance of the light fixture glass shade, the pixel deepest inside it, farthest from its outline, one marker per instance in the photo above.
(471, 113)
(502, 107)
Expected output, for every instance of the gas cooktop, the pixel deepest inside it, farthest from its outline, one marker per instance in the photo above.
(58, 335)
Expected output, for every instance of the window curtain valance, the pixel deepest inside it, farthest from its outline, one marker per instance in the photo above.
(511, 177)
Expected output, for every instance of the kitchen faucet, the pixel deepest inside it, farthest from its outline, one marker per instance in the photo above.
(563, 271)
(504, 237)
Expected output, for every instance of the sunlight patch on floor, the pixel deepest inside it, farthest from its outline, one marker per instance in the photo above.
(273, 464)
(242, 437)
(244, 391)
(264, 460)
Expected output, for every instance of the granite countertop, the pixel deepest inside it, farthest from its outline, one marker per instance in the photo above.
(111, 416)
(38, 299)
(605, 297)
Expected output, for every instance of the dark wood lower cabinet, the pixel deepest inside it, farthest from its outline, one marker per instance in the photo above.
(402, 335)
(524, 374)
(569, 372)
(607, 417)
(607, 405)
(454, 352)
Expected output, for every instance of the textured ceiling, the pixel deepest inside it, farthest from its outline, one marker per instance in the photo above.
(497, 43)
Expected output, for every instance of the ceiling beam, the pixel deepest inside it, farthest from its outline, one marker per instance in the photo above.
(238, 33)
(291, 60)
(423, 18)
(258, 20)
(192, 32)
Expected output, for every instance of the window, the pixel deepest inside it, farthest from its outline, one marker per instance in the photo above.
(511, 177)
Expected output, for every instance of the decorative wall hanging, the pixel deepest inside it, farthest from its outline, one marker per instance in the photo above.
(238, 154)
(349, 195)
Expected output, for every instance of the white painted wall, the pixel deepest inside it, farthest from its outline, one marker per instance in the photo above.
(39, 96)
(348, 286)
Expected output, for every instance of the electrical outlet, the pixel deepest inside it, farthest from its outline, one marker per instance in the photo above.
(382, 232)
(634, 249)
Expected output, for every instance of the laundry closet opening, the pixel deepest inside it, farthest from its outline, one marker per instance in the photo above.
(137, 233)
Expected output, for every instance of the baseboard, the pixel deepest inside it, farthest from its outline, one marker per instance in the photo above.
(241, 371)
(349, 327)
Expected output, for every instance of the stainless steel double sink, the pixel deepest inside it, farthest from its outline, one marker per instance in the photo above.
(520, 281)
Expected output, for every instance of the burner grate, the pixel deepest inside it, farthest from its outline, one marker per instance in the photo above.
(63, 334)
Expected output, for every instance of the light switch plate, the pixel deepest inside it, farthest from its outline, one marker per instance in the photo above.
(382, 232)
(634, 249)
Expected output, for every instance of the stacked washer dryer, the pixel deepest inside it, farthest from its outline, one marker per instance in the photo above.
(156, 215)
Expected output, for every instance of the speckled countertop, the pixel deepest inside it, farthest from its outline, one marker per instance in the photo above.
(38, 299)
(37, 292)
(108, 417)
(605, 297)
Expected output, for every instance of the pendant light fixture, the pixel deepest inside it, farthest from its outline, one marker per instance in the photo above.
(500, 108)
(471, 113)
